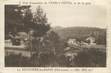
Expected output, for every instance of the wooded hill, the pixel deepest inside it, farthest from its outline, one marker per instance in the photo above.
(81, 33)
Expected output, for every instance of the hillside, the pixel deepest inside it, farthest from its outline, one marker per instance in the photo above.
(82, 32)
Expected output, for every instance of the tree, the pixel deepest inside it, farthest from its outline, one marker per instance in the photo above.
(40, 22)
(36, 21)
(55, 41)
(36, 25)
(11, 17)
(52, 43)
(28, 19)
(14, 18)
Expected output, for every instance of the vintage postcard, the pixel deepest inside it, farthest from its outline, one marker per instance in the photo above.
(55, 36)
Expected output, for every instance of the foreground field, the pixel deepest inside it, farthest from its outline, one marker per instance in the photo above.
(88, 56)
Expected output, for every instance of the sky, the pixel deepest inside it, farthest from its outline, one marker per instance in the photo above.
(70, 16)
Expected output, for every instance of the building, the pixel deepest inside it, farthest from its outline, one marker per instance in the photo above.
(72, 42)
(91, 40)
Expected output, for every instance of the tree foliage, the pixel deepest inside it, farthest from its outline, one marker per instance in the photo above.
(36, 21)
(20, 18)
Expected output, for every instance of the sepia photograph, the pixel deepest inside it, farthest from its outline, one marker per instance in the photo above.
(55, 36)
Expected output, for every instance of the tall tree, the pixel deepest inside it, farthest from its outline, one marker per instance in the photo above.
(41, 25)
(36, 24)
(36, 21)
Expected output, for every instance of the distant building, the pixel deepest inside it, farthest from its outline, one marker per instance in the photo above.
(91, 40)
(17, 39)
(72, 42)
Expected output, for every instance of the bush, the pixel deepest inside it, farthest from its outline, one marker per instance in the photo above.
(91, 58)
